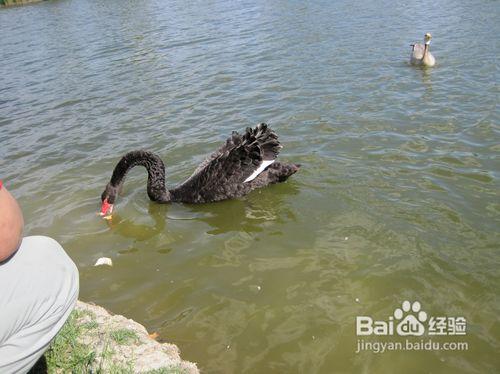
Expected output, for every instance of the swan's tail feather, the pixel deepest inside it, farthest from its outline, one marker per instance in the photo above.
(264, 140)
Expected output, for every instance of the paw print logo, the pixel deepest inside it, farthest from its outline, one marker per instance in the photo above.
(411, 324)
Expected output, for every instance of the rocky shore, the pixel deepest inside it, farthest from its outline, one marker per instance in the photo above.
(95, 341)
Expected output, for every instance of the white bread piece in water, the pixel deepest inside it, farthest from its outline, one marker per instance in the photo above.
(104, 261)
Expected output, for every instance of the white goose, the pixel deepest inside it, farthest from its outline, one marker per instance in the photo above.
(420, 54)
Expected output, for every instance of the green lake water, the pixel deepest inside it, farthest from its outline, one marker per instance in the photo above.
(397, 199)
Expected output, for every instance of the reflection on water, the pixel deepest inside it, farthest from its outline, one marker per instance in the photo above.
(252, 214)
(397, 197)
(128, 229)
(426, 79)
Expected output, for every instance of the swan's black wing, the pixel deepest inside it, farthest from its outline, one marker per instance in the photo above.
(227, 172)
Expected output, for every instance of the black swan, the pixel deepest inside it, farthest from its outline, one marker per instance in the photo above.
(242, 164)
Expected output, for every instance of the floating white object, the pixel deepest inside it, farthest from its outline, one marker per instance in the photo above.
(104, 261)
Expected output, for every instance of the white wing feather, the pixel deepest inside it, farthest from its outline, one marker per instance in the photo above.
(260, 169)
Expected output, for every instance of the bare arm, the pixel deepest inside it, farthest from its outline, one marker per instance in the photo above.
(11, 224)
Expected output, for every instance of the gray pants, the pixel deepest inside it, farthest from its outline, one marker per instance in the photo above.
(38, 290)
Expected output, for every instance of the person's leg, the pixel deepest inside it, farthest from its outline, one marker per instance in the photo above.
(38, 291)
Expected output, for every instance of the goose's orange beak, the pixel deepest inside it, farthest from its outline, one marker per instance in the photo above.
(106, 209)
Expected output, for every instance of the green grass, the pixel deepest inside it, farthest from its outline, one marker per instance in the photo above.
(66, 354)
(119, 369)
(173, 370)
(90, 325)
(124, 336)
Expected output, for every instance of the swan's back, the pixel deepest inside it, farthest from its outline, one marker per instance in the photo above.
(243, 163)
(417, 53)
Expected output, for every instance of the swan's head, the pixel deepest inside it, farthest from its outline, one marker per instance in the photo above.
(108, 198)
(427, 38)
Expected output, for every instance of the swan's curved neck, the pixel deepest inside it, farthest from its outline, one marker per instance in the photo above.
(156, 173)
(426, 50)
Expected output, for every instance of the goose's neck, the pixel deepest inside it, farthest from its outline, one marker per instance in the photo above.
(426, 50)
(156, 173)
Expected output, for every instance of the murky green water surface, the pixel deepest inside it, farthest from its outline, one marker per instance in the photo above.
(398, 197)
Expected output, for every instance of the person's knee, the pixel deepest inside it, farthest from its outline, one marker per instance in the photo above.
(40, 288)
(41, 268)
(51, 257)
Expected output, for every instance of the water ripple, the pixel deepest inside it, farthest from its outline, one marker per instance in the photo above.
(397, 198)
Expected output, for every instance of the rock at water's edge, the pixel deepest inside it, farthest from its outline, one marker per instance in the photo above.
(143, 352)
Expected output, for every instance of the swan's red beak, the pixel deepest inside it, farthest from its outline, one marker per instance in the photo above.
(106, 209)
